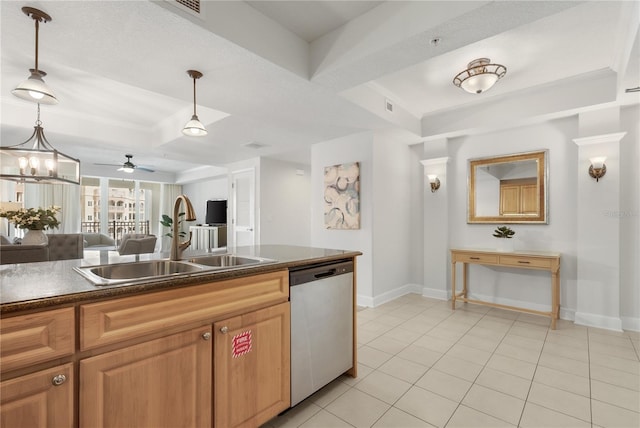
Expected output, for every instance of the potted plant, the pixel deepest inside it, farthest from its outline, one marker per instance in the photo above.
(168, 222)
(35, 221)
(504, 233)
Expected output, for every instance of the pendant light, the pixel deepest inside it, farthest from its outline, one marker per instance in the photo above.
(37, 161)
(34, 89)
(194, 128)
(479, 76)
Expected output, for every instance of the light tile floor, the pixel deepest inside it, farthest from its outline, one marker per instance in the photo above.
(420, 364)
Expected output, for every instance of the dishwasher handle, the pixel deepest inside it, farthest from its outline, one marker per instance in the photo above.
(319, 272)
(325, 274)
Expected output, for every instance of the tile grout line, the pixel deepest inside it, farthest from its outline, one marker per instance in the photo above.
(590, 380)
(478, 375)
(526, 399)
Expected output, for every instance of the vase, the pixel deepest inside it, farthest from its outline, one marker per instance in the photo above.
(35, 237)
(505, 244)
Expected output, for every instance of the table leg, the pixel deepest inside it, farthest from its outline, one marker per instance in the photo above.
(464, 280)
(555, 299)
(453, 285)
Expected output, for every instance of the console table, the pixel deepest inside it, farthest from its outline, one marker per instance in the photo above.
(522, 260)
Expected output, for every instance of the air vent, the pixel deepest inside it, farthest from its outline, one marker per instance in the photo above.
(193, 5)
(388, 105)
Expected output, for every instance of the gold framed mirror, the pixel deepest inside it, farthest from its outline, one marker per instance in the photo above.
(509, 189)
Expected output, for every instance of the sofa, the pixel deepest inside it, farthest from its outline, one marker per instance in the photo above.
(61, 246)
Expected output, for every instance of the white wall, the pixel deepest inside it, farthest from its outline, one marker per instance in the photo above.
(354, 148)
(522, 288)
(531, 289)
(630, 219)
(202, 191)
(392, 229)
(285, 212)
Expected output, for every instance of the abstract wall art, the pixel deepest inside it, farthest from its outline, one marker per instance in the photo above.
(342, 196)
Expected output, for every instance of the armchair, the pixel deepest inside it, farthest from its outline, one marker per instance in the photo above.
(98, 241)
(136, 243)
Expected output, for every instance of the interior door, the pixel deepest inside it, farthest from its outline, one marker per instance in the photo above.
(243, 212)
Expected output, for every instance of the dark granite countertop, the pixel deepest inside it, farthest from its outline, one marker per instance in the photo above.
(29, 286)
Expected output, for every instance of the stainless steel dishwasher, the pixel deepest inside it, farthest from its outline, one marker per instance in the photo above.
(321, 326)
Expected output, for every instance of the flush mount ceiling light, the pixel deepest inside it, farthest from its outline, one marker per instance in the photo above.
(34, 89)
(37, 161)
(194, 128)
(479, 76)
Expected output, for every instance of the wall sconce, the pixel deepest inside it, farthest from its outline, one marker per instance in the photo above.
(597, 169)
(434, 181)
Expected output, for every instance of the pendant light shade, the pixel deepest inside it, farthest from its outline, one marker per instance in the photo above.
(37, 161)
(194, 128)
(479, 76)
(34, 88)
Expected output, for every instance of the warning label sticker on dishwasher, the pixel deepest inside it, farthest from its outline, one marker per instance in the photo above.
(241, 344)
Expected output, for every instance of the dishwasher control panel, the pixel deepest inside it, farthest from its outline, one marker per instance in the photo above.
(318, 272)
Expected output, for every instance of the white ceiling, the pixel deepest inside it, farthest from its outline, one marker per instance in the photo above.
(312, 19)
(288, 74)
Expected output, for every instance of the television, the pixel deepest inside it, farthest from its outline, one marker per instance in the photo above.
(216, 212)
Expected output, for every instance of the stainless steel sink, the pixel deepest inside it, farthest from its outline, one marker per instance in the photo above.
(136, 272)
(228, 260)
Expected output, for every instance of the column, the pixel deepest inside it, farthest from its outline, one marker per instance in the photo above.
(436, 229)
(598, 241)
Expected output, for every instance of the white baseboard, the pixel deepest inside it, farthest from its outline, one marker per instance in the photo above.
(590, 320)
(435, 293)
(599, 321)
(630, 323)
(364, 301)
(390, 295)
(567, 314)
(511, 302)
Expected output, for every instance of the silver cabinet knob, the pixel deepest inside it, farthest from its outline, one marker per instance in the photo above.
(224, 330)
(206, 335)
(59, 380)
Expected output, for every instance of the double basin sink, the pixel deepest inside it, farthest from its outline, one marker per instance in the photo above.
(156, 269)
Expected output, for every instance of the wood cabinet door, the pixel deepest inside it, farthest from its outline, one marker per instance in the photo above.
(509, 200)
(41, 399)
(252, 367)
(529, 199)
(161, 383)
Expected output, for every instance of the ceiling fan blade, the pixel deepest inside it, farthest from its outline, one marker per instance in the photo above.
(108, 164)
(142, 168)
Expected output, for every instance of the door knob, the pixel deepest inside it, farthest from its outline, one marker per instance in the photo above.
(224, 330)
(59, 380)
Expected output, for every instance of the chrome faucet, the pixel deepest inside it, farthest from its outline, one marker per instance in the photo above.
(178, 247)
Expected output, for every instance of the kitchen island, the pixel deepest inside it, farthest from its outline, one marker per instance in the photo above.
(210, 349)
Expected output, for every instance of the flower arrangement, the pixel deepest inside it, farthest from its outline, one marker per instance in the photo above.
(32, 218)
(503, 232)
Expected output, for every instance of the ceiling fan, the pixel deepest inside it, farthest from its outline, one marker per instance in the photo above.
(128, 166)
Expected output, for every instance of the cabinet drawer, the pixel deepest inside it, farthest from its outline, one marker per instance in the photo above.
(40, 399)
(525, 262)
(37, 337)
(131, 317)
(476, 258)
